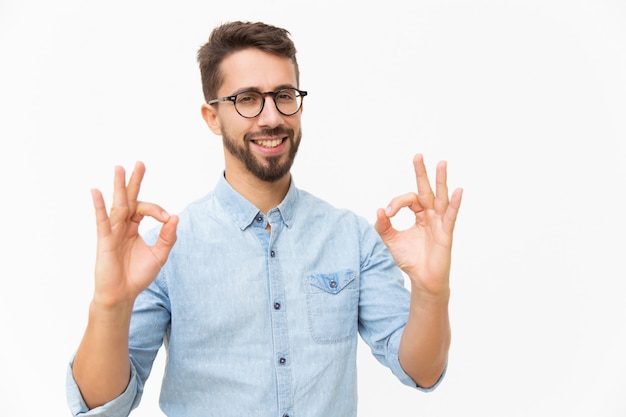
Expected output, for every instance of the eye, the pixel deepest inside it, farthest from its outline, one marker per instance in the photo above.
(286, 96)
(248, 98)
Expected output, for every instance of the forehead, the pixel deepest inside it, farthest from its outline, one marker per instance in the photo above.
(253, 68)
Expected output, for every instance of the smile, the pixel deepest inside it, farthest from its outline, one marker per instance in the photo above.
(271, 143)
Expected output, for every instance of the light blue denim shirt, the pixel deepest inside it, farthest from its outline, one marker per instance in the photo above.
(260, 323)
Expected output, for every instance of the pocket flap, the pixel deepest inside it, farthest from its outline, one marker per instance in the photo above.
(332, 282)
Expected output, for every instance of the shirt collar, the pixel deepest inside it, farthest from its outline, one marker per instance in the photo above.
(244, 212)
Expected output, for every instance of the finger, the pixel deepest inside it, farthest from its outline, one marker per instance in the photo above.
(103, 226)
(441, 187)
(134, 184)
(119, 208)
(150, 209)
(166, 240)
(384, 227)
(383, 224)
(452, 211)
(409, 200)
(424, 192)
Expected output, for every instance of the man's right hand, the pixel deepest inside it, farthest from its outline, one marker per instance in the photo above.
(125, 264)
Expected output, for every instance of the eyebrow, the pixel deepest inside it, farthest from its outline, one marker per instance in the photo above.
(244, 89)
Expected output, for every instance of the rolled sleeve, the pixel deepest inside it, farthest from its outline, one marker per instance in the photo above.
(397, 370)
(118, 407)
(391, 359)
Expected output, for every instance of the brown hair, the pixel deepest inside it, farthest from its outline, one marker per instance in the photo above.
(235, 36)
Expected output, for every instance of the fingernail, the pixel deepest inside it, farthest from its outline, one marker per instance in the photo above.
(165, 214)
(388, 211)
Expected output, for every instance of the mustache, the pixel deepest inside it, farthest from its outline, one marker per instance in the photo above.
(277, 131)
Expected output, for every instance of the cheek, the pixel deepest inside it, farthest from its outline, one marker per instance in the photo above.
(297, 130)
(235, 129)
(230, 127)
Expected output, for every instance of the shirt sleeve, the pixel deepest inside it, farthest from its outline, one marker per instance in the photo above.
(383, 304)
(118, 407)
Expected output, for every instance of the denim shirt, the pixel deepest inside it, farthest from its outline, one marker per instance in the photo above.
(264, 323)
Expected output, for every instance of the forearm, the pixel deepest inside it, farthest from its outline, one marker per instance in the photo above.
(426, 338)
(101, 367)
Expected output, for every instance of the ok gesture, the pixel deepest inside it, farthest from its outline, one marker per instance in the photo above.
(125, 264)
(423, 251)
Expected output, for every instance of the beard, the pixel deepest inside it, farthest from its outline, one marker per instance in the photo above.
(270, 169)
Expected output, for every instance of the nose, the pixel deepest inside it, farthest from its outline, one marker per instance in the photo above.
(270, 116)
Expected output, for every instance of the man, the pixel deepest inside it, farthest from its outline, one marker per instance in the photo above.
(258, 289)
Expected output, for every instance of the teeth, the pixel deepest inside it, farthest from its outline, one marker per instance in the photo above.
(269, 143)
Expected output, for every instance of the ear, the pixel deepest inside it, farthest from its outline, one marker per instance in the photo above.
(209, 114)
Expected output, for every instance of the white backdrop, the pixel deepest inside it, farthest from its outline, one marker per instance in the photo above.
(526, 99)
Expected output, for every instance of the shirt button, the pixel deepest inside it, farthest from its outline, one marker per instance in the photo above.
(259, 219)
(276, 306)
(333, 284)
(272, 254)
(282, 361)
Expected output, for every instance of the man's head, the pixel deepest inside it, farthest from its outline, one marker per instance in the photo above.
(250, 81)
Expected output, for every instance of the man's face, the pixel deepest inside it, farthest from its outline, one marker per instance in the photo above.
(264, 146)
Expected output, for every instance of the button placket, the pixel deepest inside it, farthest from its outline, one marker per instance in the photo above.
(279, 318)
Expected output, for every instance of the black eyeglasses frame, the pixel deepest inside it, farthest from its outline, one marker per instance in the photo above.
(233, 99)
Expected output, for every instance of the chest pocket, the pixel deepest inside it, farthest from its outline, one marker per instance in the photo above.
(332, 306)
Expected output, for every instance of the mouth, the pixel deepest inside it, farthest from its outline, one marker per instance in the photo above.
(268, 143)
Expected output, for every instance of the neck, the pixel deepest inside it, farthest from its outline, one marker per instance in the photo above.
(264, 195)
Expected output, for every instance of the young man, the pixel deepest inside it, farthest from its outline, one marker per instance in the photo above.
(258, 290)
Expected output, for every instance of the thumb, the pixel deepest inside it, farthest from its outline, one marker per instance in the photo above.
(166, 239)
(383, 224)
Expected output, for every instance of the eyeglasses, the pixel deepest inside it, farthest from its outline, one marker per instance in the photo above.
(249, 104)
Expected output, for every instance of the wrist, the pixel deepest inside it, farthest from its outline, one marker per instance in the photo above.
(111, 311)
(430, 297)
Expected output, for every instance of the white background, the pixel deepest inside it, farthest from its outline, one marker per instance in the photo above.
(525, 99)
